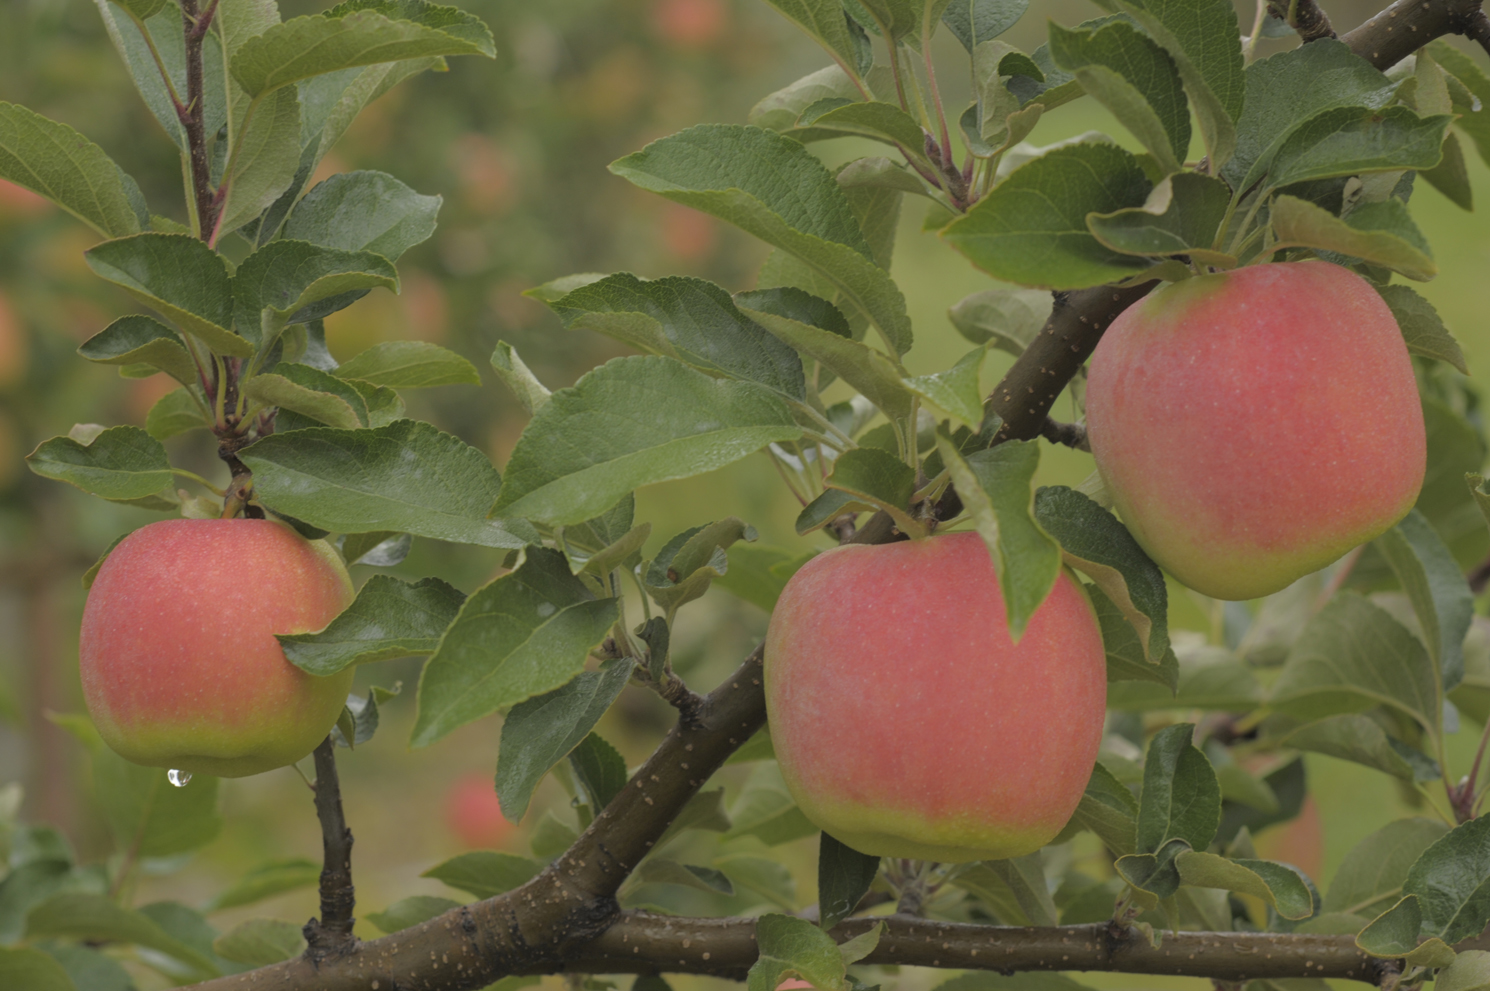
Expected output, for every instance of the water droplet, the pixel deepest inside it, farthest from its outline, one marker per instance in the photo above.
(178, 778)
(546, 609)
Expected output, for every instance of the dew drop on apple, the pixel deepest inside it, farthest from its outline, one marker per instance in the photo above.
(178, 778)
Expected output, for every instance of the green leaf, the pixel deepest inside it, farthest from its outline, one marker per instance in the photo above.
(1031, 228)
(843, 878)
(1108, 809)
(260, 942)
(1395, 932)
(147, 814)
(1180, 808)
(688, 319)
(364, 211)
(687, 564)
(882, 481)
(1379, 233)
(955, 391)
(1369, 880)
(1006, 319)
(1287, 89)
(122, 464)
(23, 967)
(1474, 85)
(1361, 739)
(588, 447)
(291, 277)
(405, 477)
(1282, 887)
(1435, 586)
(56, 161)
(704, 810)
(792, 947)
(825, 22)
(1350, 141)
(323, 407)
(1135, 79)
(779, 111)
(1470, 971)
(995, 488)
(409, 365)
(95, 917)
(770, 816)
(1181, 217)
(306, 397)
(348, 36)
(542, 731)
(1126, 660)
(1354, 655)
(137, 339)
(1422, 328)
(774, 188)
(871, 119)
(90, 969)
(1025, 878)
(1094, 542)
(599, 770)
(516, 375)
(180, 278)
(615, 555)
(1208, 678)
(359, 718)
(484, 873)
(1204, 39)
(1452, 882)
(408, 912)
(271, 878)
(1451, 175)
(805, 322)
(526, 633)
(975, 21)
(175, 413)
(265, 158)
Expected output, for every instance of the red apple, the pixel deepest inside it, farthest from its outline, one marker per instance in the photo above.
(473, 813)
(906, 721)
(1254, 426)
(179, 663)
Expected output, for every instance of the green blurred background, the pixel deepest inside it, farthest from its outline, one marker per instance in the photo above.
(518, 148)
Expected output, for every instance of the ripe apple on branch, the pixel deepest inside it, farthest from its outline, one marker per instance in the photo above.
(969, 690)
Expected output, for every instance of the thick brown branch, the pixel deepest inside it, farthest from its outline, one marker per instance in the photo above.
(1408, 25)
(641, 943)
(1478, 30)
(331, 936)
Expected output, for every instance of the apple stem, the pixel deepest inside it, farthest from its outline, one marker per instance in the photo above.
(331, 935)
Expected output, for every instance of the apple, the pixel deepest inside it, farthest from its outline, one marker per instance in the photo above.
(690, 23)
(1253, 426)
(179, 663)
(907, 722)
(474, 814)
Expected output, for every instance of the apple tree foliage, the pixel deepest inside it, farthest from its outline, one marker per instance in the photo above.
(1310, 152)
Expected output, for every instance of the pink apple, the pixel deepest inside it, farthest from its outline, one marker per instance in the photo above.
(1254, 426)
(179, 663)
(906, 721)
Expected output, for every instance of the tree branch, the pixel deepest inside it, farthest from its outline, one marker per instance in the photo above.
(641, 943)
(193, 119)
(1408, 25)
(567, 918)
(1308, 20)
(331, 935)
